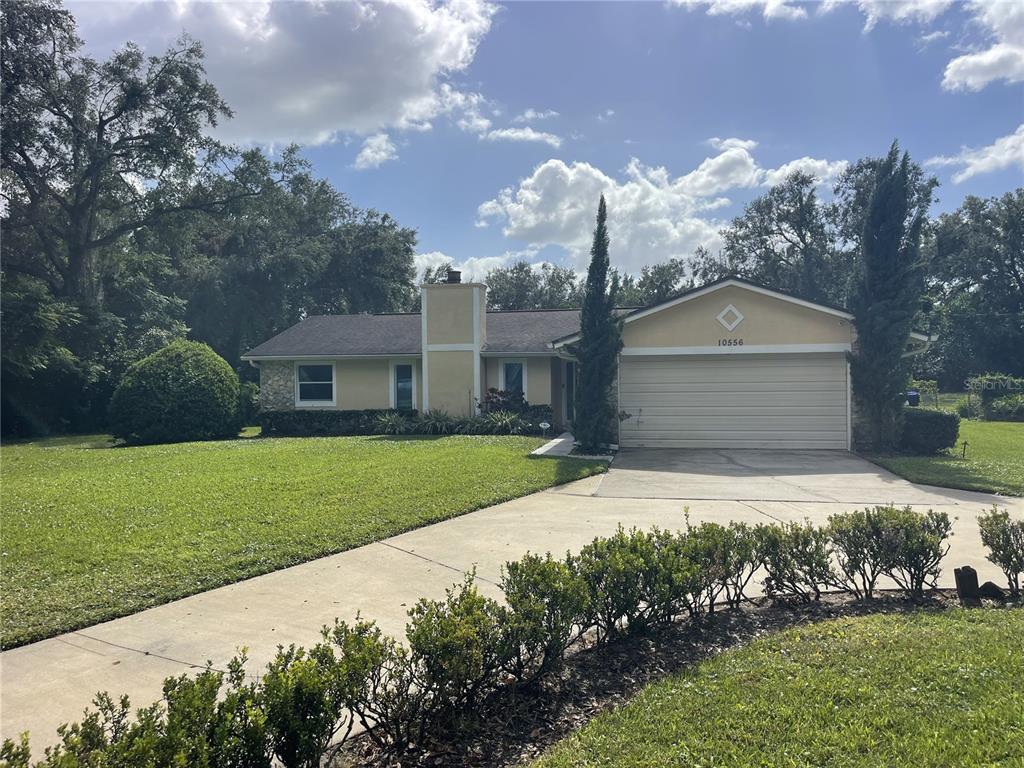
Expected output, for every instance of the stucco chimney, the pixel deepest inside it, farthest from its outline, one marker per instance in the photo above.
(454, 330)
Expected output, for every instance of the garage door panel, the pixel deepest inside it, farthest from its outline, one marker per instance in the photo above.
(739, 401)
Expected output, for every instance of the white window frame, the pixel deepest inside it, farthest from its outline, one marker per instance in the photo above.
(501, 374)
(393, 382)
(299, 402)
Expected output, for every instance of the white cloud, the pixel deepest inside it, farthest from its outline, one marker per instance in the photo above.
(1005, 152)
(523, 134)
(897, 11)
(723, 144)
(305, 71)
(605, 116)
(377, 150)
(473, 268)
(931, 37)
(769, 9)
(652, 215)
(1002, 60)
(532, 115)
(823, 170)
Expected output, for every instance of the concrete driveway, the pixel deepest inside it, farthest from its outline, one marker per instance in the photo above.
(50, 682)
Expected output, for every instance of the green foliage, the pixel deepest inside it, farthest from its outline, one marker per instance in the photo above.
(248, 402)
(990, 387)
(520, 286)
(1006, 408)
(393, 423)
(547, 607)
(912, 546)
(330, 423)
(926, 431)
(503, 423)
(435, 422)
(967, 408)
(1004, 539)
(797, 558)
(458, 643)
(886, 297)
(857, 544)
(303, 695)
(598, 348)
(181, 393)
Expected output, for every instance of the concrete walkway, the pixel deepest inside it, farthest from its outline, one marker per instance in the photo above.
(51, 682)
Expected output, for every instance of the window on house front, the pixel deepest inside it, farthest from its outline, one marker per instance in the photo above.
(513, 376)
(403, 387)
(315, 383)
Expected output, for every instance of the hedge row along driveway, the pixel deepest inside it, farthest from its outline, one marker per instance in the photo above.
(92, 533)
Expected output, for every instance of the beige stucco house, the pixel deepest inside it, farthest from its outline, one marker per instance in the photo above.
(731, 364)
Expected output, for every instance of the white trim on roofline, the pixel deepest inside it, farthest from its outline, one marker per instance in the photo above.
(749, 349)
(451, 347)
(696, 294)
(304, 358)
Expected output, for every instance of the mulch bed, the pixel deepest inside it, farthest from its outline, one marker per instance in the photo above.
(515, 726)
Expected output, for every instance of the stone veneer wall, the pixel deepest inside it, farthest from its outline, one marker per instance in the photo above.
(277, 385)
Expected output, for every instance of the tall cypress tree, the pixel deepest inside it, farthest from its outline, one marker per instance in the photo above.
(886, 298)
(598, 347)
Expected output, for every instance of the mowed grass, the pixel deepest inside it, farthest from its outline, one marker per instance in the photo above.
(994, 463)
(92, 532)
(915, 690)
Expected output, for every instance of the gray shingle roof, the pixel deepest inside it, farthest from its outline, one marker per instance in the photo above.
(331, 335)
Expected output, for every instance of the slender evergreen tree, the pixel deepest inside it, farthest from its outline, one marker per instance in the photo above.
(598, 348)
(886, 297)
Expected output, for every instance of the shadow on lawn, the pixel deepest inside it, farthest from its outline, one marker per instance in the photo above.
(516, 726)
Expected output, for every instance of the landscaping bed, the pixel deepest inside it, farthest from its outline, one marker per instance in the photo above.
(92, 533)
(994, 461)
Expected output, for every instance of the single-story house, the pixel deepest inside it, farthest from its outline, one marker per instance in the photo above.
(727, 365)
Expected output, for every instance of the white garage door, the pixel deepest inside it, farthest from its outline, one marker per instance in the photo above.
(734, 401)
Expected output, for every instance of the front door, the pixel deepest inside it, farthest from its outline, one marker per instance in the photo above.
(570, 391)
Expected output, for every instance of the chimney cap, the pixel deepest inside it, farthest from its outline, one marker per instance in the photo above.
(454, 276)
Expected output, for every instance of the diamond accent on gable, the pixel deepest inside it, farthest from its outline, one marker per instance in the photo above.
(730, 317)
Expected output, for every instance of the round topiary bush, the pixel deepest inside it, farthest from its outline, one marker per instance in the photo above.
(184, 391)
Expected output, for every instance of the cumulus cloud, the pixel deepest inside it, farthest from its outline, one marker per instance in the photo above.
(523, 134)
(532, 115)
(769, 9)
(1002, 60)
(823, 170)
(898, 11)
(377, 150)
(298, 71)
(1005, 152)
(654, 215)
(473, 268)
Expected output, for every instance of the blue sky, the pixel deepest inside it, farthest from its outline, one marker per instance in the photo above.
(493, 128)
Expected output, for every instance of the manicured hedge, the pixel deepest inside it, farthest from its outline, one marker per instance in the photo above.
(382, 421)
(321, 423)
(926, 431)
(182, 392)
(464, 647)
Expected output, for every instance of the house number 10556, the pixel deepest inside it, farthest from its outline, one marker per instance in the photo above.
(730, 342)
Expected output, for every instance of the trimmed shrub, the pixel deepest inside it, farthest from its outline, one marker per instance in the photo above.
(547, 608)
(1004, 539)
(797, 559)
(928, 432)
(182, 392)
(381, 676)
(248, 402)
(614, 570)
(856, 540)
(456, 644)
(325, 423)
(1006, 408)
(303, 697)
(912, 546)
(503, 423)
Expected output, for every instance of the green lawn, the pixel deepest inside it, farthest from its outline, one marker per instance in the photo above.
(994, 463)
(914, 690)
(91, 532)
